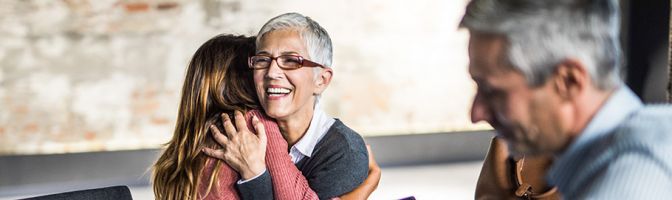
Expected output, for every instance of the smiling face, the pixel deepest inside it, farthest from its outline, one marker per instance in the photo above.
(529, 118)
(288, 94)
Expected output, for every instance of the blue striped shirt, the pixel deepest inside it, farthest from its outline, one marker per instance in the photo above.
(625, 152)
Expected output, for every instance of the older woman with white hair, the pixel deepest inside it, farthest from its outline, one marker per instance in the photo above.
(292, 67)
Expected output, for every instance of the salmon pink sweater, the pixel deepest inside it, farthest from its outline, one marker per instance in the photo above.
(288, 182)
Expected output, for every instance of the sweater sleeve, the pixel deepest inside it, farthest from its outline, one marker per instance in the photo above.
(340, 164)
(288, 182)
(224, 187)
(258, 188)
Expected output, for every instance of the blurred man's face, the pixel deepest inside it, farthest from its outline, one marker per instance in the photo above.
(528, 118)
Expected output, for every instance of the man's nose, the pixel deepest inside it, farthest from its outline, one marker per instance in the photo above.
(479, 109)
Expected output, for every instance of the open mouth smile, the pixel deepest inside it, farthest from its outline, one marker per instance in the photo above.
(277, 92)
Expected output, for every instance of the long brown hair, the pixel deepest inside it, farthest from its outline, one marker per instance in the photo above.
(217, 80)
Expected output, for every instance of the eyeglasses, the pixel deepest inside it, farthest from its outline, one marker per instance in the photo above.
(287, 62)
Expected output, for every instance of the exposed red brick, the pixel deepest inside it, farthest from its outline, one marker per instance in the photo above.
(167, 5)
(21, 109)
(89, 135)
(31, 128)
(159, 120)
(145, 106)
(135, 94)
(136, 7)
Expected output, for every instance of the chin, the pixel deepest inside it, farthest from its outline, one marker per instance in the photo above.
(518, 148)
(527, 150)
(274, 113)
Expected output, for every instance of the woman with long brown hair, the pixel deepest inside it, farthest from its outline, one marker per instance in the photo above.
(218, 81)
(215, 83)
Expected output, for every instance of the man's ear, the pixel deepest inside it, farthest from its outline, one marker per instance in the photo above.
(571, 79)
(323, 79)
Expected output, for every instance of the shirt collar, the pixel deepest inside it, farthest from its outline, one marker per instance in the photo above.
(318, 127)
(620, 105)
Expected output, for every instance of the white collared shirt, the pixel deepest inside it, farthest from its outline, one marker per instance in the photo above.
(318, 127)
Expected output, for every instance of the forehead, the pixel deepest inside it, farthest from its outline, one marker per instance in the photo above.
(283, 41)
(486, 55)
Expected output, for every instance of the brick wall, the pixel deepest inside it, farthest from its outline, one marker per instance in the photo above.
(97, 75)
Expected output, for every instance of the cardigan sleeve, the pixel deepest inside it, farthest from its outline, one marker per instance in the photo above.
(257, 188)
(339, 163)
(287, 181)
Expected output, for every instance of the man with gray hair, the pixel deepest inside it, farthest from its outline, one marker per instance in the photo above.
(548, 81)
(291, 68)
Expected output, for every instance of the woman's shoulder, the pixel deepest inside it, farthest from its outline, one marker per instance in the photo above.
(339, 159)
(269, 123)
(259, 113)
(341, 138)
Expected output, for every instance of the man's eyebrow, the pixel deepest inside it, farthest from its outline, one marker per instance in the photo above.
(477, 62)
(473, 71)
(478, 80)
(262, 53)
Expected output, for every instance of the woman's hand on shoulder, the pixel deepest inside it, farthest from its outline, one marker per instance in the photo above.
(242, 149)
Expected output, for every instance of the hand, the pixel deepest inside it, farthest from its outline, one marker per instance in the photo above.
(374, 171)
(370, 184)
(243, 150)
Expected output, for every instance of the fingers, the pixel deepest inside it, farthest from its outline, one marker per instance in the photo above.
(240, 121)
(219, 137)
(259, 127)
(374, 170)
(372, 161)
(219, 154)
(228, 126)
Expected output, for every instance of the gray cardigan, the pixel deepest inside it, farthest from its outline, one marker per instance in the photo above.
(338, 165)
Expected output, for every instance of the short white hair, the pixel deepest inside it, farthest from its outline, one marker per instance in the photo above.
(317, 39)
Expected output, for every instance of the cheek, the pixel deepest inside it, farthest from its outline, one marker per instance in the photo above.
(544, 105)
(546, 110)
(259, 83)
(303, 82)
(517, 107)
(258, 76)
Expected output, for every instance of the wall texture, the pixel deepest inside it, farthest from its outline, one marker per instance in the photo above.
(98, 75)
